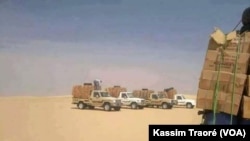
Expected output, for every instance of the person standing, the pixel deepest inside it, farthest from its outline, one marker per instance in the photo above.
(97, 84)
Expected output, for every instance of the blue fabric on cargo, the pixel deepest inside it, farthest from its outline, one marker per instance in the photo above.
(221, 119)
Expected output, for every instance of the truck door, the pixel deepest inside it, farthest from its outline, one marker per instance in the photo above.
(96, 99)
(125, 99)
(155, 100)
(180, 100)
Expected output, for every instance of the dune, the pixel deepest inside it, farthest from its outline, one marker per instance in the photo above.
(56, 119)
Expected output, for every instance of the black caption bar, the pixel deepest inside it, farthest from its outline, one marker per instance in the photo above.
(163, 132)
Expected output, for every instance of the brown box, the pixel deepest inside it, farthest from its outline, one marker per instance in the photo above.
(171, 93)
(115, 91)
(229, 41)
(246, 107)
(248, 86)
(80, 91)
(208, 81)
(205, 101)
(142, 93)
(232, 45)
(212, 61)
(246, 37)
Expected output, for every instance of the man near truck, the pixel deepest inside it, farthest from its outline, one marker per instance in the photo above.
(97, 84)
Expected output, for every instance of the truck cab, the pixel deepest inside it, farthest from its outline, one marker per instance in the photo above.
(129, 100)
(98, 98)
(156, 100)
(182, 101)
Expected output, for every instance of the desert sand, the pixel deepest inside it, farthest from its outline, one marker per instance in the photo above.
(56, 119)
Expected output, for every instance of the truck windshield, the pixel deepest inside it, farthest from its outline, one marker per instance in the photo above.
(105, 94)
(161, 96)
(130, 95)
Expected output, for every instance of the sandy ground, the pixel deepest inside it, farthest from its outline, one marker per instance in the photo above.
(56, 119)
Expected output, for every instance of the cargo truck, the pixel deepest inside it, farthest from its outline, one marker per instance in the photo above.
(87, 97)
(127, 98)
(152, 99)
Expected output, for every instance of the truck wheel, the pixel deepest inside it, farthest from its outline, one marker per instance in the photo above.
(164, 106)
(81, 105)
(107, 107)
(170, 106)
(134, 106)
(189, 105)
(117, 108)
(141, 107)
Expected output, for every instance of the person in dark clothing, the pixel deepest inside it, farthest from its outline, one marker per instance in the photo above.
(245, 20)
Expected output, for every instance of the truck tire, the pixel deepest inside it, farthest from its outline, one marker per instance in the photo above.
(117, 108)
(134, 105)
(81, 105)
(164, 106)
(141, 107)
(170, 106)
(107, 107)
(189, 106)
(91, 107)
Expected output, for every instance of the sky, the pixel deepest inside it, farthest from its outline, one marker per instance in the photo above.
(47, 46)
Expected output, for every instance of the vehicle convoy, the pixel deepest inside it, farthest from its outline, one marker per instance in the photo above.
(179, 98)
(87, 97)
(127, 98)
(152, 99)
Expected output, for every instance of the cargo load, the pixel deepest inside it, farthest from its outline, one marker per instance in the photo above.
(82, 91)
(224, 74)
(246, 107)
(168, 93)
(115, 90)
(143, 93)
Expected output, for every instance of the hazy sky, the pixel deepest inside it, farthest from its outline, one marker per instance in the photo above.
(47, 46)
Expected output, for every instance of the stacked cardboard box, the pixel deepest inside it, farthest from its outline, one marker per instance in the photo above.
(115, 91)
(76, 91)
(245, 110)
(82, 91)
(144, 93)
(226, 46)
(168, 93)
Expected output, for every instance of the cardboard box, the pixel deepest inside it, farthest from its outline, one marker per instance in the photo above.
(246, 107)
(232, 45)
(246, 37)
(229, 41)
(248, 86)
(205, 101)
(212, 61)
(208, 81)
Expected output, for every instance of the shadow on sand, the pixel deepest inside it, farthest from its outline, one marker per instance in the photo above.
(95, 109)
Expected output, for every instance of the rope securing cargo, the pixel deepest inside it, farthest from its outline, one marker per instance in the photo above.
(216, 91)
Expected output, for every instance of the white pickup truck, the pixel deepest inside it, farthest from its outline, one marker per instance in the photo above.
(182, 101)
(128, 100)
